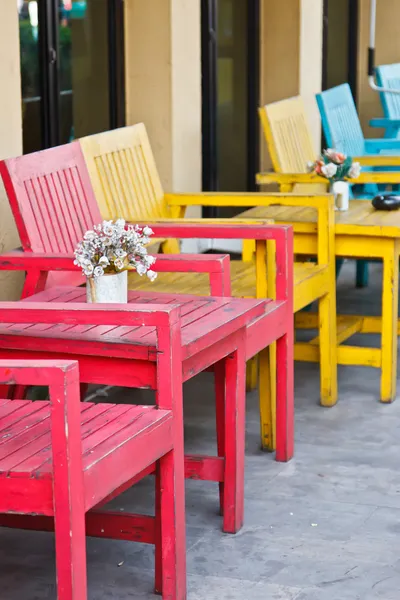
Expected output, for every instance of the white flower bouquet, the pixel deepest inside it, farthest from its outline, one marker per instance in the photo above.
(335, 166)
(114, 247)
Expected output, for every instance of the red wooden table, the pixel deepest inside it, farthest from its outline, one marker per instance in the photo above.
(223, 332)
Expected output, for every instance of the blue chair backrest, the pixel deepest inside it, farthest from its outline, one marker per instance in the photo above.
(340, 120)
(388, 76)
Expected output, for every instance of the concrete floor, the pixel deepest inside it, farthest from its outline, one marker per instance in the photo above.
(324, 527)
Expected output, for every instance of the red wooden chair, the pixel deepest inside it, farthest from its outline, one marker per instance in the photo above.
(53, 204)
(59, 459)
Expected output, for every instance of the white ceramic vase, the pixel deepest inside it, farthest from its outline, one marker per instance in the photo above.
(341, 191)
(110, 288)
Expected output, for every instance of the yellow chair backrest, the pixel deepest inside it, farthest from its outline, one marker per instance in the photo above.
(289, 140)
(124, 175)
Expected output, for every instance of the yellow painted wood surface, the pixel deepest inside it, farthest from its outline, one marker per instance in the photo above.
(290, 143)
(360, 232)
(311, 281)
(243, 279)
(390, 301)
(288, 135)
(124, 176)
(305, 182)
(360, 220)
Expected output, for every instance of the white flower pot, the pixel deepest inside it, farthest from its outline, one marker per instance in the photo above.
(341, 191)
(108, 288)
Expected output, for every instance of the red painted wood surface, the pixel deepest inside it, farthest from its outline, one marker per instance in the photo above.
(52, 202)
(60, 458)
(59, 320)
(115, 353)
(38, 265)
(56, 323)
(103, 524)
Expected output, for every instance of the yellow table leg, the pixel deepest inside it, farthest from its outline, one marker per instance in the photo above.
(390, 302)
(251, 374)
(267, 398)
(266, 287)
(248, 251)
(328, 347)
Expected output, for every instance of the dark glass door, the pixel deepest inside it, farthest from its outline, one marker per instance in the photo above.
(31, 87)
(340, 59)
(72, 69)
(230, 84)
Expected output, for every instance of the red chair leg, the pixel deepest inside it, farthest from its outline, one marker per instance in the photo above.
(68, 490)
(219, 379)
(171, 550)
(158, 585)
(170, 473)
(235, 400)
(284, 399)
(70, 553)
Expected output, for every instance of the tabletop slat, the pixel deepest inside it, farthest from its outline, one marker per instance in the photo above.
(204, 320)
(360, 219)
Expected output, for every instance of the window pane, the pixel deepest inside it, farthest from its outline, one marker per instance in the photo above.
(83, 68)
(232, 77)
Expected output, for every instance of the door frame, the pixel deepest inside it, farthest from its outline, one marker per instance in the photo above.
(353, 34)
(48, 71)
(209, 95)
(116, 62)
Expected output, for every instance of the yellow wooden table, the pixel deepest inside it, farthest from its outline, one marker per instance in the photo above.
(360, 232)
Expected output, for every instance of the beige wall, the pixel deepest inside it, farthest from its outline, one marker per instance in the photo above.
(10, 133)
(387, 51)
(163, 84)
(279, 39)
(291, 57)
(310, 62)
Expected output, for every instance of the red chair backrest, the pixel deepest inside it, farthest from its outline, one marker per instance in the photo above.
(52, 201)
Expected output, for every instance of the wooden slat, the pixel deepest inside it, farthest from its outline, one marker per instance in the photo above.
(360, 219)
(96, 449)
(34, 444)
(347, 326)
(103, 428)
(124, 174)
(197, 325)
(52, 201)
(24, 416)
(108, 417)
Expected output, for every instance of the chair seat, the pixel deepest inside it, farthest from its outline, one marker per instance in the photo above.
(310, 282)
(118, 442)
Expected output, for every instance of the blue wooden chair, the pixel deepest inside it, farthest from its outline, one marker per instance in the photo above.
(342, 131)
(342, 128)
(388, 77)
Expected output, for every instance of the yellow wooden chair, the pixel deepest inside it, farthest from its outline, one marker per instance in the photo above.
(125, 178)
(290, 146)
(126, 183)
